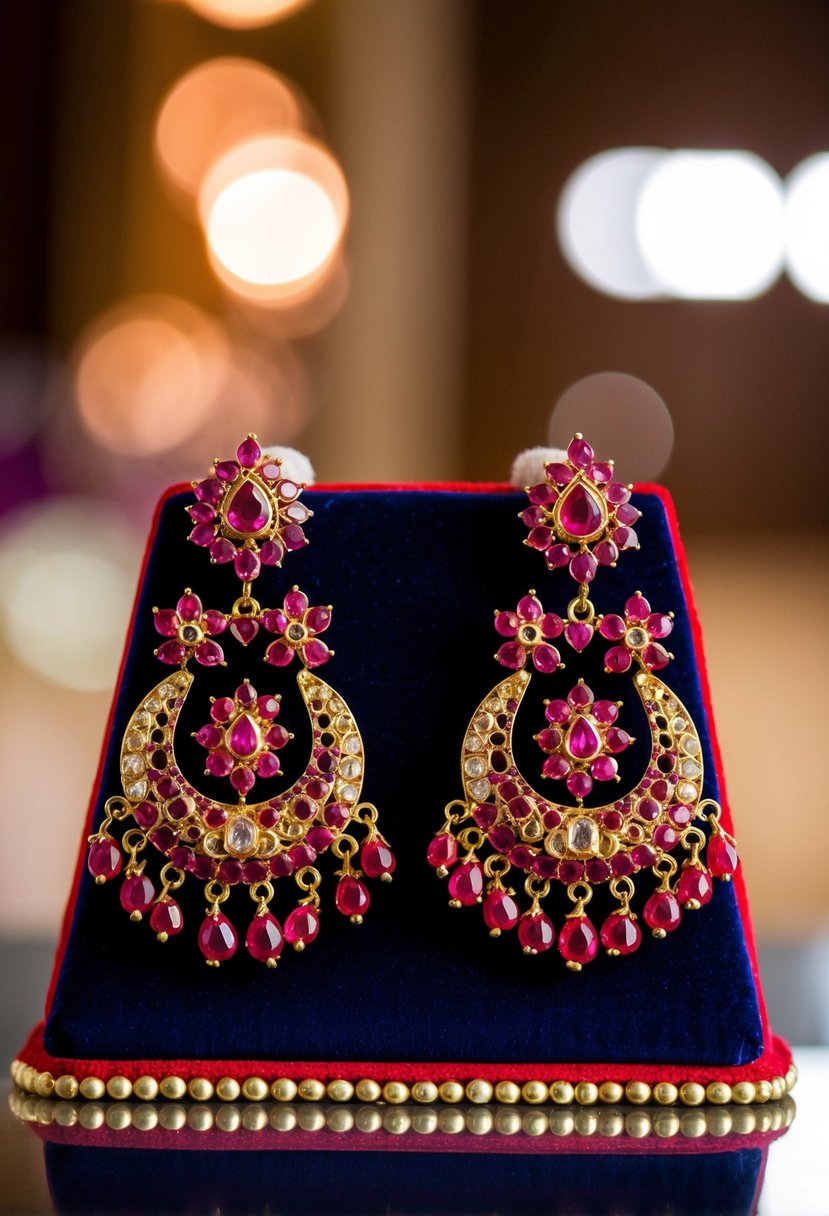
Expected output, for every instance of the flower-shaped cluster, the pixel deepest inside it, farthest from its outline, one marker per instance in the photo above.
(636, 636)
(188, 629)
(529, 627)
(247, 513)
(581, 740)
(242, 736)
(579, 516)
(298, 625)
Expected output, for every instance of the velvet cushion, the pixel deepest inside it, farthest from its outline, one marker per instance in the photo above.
(414, 577)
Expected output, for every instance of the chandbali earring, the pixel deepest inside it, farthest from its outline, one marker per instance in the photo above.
(581, 519)
(246, 513)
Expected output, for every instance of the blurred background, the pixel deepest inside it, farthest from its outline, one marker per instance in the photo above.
(412, 237)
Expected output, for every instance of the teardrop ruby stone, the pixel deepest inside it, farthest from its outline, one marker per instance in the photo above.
(244, 738)
(217, 938)
(583, 740)
(264, 938)
(581, 512)
(249, 509)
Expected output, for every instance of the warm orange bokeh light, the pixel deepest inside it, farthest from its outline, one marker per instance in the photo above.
(217, 105)
(274, 212)
(146, 374)
(244, 14)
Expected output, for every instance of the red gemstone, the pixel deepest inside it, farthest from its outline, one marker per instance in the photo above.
(267, 765)
(561, 474)
(578, 941)
(222, 551)
(217, 938)
(501, 911)
(540, 538)
(655, 656)
(277, 736)
(621, 934)
(104, 859)
(536, 932)
(659, 625)
(244, 738)
(171, 653)
(583, 740)
(244, 630)
(201, 512)
(210, 490)
(665, 837)
(166, 622)
(209, 654)
(546, 659)
(603, 768)
(318, 619)
(484, 816)
(271, 553)
(662, 911)
(294, 537)
(302, 926)
(137, 893)
(352, 897)
(315, 653)
(336, 814)
(637, 608)
(242, 780)
(612, 627)
(502, 838)
(583, 567)
(581, 513)
(190, 607)
(248, 452)
(203, 535)
(617, 740)
(268, 707)
(694, 884)
(549, 739)
(214, 621)
(249, 509)
(442, 850)
(578, 634)
(722, 856)
(296, 602)
(278, 654)
(617, 659)
(376, 858)
(219, 764)
(606, 553)
(557, 556)
(512, 654)
(579, 784)
(580, 696)
(558, 712)
(320, 838)
(166, 917)
(506, 623)
(580, 453)
(264, 938)
(227, 470)
(467, 883)
(146, 814)
(247, 565)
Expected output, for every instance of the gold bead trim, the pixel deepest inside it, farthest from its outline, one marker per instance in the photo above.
(396, 1093)
(599, 1122)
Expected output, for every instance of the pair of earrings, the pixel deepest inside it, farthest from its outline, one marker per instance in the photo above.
(247, 514)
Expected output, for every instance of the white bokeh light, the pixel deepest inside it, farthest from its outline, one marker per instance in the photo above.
(710, 225)
(807, 227)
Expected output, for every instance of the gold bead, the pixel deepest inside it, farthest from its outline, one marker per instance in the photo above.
(451, 1091)
(66, 1114)
(255, 1089)
(762, 1091)
(693, 1123)
(66, 1086)
(228, 1118)
(611, 1092)
(310, 1118)
(585, 1121)
(145, 1118)
(425, 1091)
(535, 1092)
(743, 1093)
(145, 1088)
(92, 1088)
(91, 1117)
(507, 1092)
(200, 1090)
(283, 1119)
(311, 1090)
(172, 1118)
(44, 1084)
(562, 1093)
(200, 1118)
(610, 1122)
(119, 1088)
(638, 1092)
(743, 1121)
(396, 1092)
(638, 1125)
(535, 1123)
(507, 1122)
(665, 1124)
(283, 1089)
(718, 1092)
(479, 1091)
(691, 1094)
(340, 1119)
(118, 1116)
(791, 1078)
(778, 1088)
(368, 1119)
(586, 1093)
(254, 1118)
(479, 1120)
(367, 1090)
(665, 1094)
(29, 1078)
(562, 1122)
(228, 1089)
(451, 1121)
(424, 1122)
(173, 1088)
(764, 1117)
(719, 1122)
(340, 1091)
(397, 1122)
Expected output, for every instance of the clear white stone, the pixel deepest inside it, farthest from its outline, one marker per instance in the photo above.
(679, 724)
(136, 790)
(352, 745)
(314, 690)
(348, 793)
(293, 829)
(350, 767)
(475, 766)
(690, 744)
(690, 768)
(240, 836)
(212, 843)
(671, 704)
(479, 789)
(335, 706)
(484, 722)
(531, 829)
(686, 792)
(636, 638)
(166, 691)
(142, 718)
(134, 740)
(474, 743)
(558, 844)
(268, 844)
(343, 723)
(153, 705)
(133, 766)
(493, 705)
(583, 836)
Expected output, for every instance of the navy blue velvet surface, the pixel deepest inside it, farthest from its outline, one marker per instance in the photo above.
(311, 1183)
(414, 578)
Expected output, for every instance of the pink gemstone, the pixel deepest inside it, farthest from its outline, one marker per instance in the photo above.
(506, 623)
(551, 625)
(602, 471)
(655, 656)
(500, 911)
(484, 816)
(247, 565)
(545, 867)
(227, 470)
(660, 790)
(622, 865)
(442, 850)
(545, 658)
(272, 471)
(302, 925)
(549, 738)
(278, 654)
(557, 556)
(214, 622)
(166, 917)
(540, 538)
(643, 855)
(267, 766)
(271, 553)
(529, 607)
(620, 934)
(502, 838)
(606, 712)
(694, 884)
(244, 630)
(182, 858)
(277, 736)
(320, 838)
(612, 820)
(296, 602)
(209, 654)
(627, 514)
(376, 859)
(583, 740)
(570, 870)
(532, 516)
(351, 897)
(617, 659)
(648, 808)
(281, 866)
(579, 784)
(318, 619)
(665, 837)
(180, 807)
(210, 490)
(556, 768)
(249, 510)
(335, 815)
(163, 838)
(166, 622)
(580, 453)
(104, 859)
(617, 493)
(254, 871)
(302, 855)
(578, 941)
(637, 608)
(560, 473)
(222, 709)
(204, 868)
(230, 871)
(190, 607)
(581, 513)
(288, 490)
(217, 938)
(612, 627)
(137, 893)
(662, 911)
(578, 634)
(305, 808)
(171, 652)
(219, 764)
(248, 453)
(243, 738)
(558, 712)
(201, 512)
(603, 768)
(606, 553)
(625, 538)
(315, 653)
(293, 537)
(583, 567)
(541, 494)
(242, 780)
(597, 870)
(222, 551)
(722, 856)
(467, 883)
(681, 814)
(264, 939)
(536, 933)
(268, 707)
(203, 535)
(512, 655)
(617, 740)
(659, 625)
(580, 696)
(146, 814)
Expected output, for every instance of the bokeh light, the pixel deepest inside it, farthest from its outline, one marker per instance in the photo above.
(274, 212)
(67, 572)
(214, 107)
(710, 225)
(620, 414)
(807, 227)
(244, 14)
(31, 385)
(596, 222)
(146, 374)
